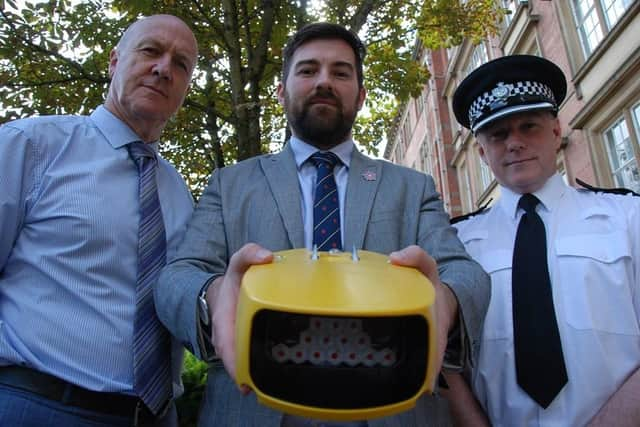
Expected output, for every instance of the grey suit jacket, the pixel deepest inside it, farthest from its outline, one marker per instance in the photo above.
(387, 207)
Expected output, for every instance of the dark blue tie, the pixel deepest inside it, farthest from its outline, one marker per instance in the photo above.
(151, 342)
(540, 368)
(326, 206)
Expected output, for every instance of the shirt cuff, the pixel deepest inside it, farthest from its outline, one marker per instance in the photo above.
(203, 331)
(456, 355)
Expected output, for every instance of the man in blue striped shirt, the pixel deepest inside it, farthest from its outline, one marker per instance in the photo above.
(69, 227)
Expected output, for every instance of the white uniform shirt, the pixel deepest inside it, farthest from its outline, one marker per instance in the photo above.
(593, 243)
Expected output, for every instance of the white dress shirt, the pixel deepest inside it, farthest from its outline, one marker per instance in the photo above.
(593, 244)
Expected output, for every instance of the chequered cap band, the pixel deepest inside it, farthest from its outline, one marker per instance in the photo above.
(505, 94)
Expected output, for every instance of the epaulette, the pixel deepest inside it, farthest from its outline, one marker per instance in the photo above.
(622, 191)
(470, 214)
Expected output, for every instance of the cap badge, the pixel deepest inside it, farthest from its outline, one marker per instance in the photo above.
(502, 91)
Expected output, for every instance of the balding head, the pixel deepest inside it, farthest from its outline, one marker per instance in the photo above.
(141, 24)
(150, 73)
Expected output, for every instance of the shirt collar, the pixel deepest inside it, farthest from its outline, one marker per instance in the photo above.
(302, 151)
(115, 131)
(549, 196)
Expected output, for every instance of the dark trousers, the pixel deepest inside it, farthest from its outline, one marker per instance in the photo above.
(29, 398)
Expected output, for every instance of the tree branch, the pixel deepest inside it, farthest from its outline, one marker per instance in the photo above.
(52, 82)
(48, 52)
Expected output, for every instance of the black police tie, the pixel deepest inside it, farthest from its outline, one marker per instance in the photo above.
(540, 368)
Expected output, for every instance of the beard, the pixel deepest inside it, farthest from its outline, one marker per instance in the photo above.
(323, 126)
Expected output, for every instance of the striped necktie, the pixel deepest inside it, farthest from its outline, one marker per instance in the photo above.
(151, 342)
(326, 207)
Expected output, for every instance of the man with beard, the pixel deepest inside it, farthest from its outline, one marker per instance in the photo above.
(267, 203)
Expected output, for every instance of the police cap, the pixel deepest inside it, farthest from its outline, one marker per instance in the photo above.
(508, 85)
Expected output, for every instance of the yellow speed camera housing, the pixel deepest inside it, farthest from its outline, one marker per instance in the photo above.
(336, 336)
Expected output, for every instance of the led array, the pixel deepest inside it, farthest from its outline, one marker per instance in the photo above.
(334, 341)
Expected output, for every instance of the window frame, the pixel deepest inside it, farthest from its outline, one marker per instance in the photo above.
(604, 25)
(629, 117)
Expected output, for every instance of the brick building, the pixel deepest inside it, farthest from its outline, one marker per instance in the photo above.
(597, 45)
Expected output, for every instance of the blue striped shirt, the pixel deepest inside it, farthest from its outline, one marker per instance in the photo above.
(68, 246)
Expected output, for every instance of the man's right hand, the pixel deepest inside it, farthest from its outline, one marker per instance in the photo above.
(222, 298)
(446, 304)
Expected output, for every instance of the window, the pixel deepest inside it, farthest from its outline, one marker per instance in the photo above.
(622, 160)
(636, 119)
(562, 171)
(465, 188)
(450, 52)
(399, 150)
(614, 9)
(406, 130)
(426, 154)
(419, 102)
(478, 57)
(595, 18)
(486, 176)
(511, 6)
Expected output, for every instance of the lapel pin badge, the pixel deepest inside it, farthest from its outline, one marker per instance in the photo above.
(369, 175)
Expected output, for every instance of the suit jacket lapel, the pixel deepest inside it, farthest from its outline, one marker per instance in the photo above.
(282, 176)
(364, 177)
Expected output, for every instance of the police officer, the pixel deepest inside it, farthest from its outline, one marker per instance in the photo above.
(561, 340)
